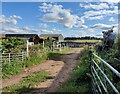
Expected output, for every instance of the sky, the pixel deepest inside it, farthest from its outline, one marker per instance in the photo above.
(72, 19)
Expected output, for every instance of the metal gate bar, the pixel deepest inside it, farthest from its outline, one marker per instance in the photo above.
(97, 78)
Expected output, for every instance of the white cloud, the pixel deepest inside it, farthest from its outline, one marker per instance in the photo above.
(31, 29)
(20, 30)
(101, 12)
(15, 17)
(51, 17)
(102, 26)
(26, 28)
(12, 29)
(106, 27)
(96, 18)
(81, 34)
(110, 1)
(84, 26)
(111, 19)
(10, 20)
(95, 14)
(57, 14)
(90, 30)
(46, 31)
(55, 30)
(43, 25)
(95, 6)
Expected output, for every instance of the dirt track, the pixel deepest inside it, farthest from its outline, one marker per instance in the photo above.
(59, 69)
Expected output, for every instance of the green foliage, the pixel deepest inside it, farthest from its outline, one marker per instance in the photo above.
(81, 79)
(36, 58)
(49, 43)
(11, 69)
(26, 84)
(118, 44)
(11, 43)
(111, 56)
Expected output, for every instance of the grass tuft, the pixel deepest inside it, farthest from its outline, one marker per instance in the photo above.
(27, 82)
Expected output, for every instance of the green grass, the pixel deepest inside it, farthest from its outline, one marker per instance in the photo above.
(11, 69)
(17, 67)
(81, 79)
(56, 53)
(26, 84)
(35, 58)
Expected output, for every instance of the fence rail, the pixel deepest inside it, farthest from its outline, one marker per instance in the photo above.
(100, 80)
(12, 57)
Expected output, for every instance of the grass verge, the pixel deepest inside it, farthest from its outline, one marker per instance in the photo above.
(81, 79)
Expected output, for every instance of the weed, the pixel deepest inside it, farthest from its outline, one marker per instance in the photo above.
(27, 82)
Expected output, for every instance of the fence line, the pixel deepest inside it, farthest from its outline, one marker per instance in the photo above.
(12, 57)
(97, 80)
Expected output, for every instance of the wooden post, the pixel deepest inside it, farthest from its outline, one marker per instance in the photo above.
(9, 57)
(53, 45)
(60, 46)
(43, 43)
(57, 45)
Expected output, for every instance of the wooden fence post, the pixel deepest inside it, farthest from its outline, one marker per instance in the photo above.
(43, 43)
(60, 46)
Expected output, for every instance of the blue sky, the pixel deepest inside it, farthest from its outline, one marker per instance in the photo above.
(68, 18)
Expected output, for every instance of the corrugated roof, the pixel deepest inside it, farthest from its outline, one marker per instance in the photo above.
(20, 35)
(50, 35)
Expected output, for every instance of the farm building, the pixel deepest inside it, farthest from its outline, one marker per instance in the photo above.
(56, 37)
(34, 38)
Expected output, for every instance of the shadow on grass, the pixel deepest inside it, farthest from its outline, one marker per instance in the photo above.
(53, 55)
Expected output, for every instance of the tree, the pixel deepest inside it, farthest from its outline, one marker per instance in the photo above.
(11, 43)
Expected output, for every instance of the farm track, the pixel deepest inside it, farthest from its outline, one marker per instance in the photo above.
(59, 69)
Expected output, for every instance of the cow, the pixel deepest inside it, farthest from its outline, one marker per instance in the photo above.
(108, 38)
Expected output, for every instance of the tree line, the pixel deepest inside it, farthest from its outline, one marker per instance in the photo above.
(82, 38)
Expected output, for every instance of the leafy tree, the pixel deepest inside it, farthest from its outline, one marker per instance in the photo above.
(11, 43)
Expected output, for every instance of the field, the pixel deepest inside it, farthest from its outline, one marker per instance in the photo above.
(83, 40)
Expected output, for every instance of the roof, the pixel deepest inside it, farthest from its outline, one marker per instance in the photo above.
(49, 35)
(18, 35)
